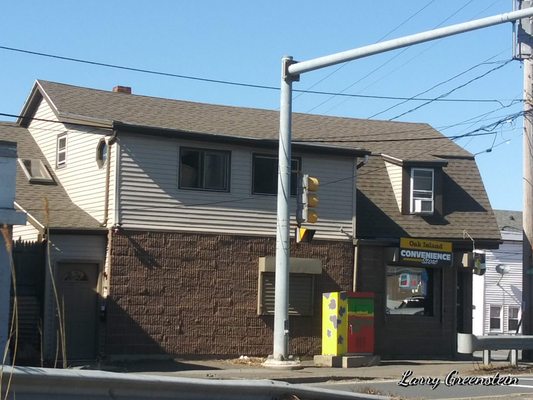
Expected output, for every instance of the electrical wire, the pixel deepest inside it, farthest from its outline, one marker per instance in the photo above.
(342, 139)
(134, 69)
(204, 204)
(387, 62)
(452, 90)
(379, 40)
(486, 62)
(224, 82)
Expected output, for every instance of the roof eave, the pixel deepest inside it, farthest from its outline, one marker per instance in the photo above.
(78, 231)
(31, 218)
(209, 137)
(30, 105)
(414, 163)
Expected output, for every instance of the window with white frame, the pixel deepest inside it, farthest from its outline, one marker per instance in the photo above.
(422, 190)
(61, 151)
(513, 318)
(35, 171)
(204, 169)
(495, 323)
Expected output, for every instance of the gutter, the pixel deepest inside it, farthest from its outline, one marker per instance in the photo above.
(271, 143)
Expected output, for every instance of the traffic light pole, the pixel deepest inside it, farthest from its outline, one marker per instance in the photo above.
(291, 72)
(281, 306)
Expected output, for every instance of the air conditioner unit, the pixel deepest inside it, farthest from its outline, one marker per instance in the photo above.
(423, 206)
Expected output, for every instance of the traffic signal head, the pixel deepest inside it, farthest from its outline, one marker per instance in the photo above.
(307, 200)
(479, 262)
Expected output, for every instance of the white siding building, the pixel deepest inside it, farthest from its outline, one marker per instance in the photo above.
(497, 295)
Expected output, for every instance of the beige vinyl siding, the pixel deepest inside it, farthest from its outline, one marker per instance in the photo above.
(26, 233)
(150, 198)
(395, 176)
(71, 249)
(82, 179)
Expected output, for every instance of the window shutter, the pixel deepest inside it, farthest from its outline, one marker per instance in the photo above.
(301, 290)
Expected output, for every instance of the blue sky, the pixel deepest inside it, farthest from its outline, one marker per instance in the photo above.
(243, 41)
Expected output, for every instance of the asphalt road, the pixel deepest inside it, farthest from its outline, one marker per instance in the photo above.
(442, 390)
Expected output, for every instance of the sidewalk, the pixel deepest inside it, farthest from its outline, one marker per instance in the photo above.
(238, 369)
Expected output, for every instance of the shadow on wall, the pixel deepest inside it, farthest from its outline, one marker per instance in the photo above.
(196, 294)
(124, 336)
(29, 261)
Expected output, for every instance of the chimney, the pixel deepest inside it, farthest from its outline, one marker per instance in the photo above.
(122, 89)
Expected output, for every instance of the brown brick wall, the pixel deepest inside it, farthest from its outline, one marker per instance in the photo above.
(196, 294)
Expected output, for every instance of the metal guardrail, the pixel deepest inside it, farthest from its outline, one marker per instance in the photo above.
(468, 343)
(29, 383)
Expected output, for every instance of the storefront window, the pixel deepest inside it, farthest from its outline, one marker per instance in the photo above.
(409, 291)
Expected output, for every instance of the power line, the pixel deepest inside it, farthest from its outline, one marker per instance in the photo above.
(435, 86)
(25, 118)
(134, 69)
(225, 82)
(387, 62)
(379, 40)
(452, 90)
(425, 151)
(486, 130)
(341, 139)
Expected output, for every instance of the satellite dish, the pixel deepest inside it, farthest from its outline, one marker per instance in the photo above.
(502, 269)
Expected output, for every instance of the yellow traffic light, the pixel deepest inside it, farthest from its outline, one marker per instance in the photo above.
(308, 200)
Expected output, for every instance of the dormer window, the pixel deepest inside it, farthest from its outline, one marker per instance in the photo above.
(35, 171)
(422, 190)
(417, 184)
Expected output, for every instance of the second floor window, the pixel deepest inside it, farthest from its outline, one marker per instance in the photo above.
(265, 174)
(422, 191)
(204, 169)
(61, 151)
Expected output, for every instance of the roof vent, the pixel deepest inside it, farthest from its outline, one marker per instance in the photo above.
(122, 89)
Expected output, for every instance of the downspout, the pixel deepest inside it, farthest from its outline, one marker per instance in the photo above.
(354, 223)
(109, 143)
(105, 287)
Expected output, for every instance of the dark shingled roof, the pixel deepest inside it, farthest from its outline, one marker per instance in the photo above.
(184, 116)
(63, 213)
(467, 207)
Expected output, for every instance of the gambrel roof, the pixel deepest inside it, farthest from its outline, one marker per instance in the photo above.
(466, 205)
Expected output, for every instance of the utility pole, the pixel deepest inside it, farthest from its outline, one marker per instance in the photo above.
(523, 47)
(291, 72)
(527, 208)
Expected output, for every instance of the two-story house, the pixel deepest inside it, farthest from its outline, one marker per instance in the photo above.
(186, 195)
